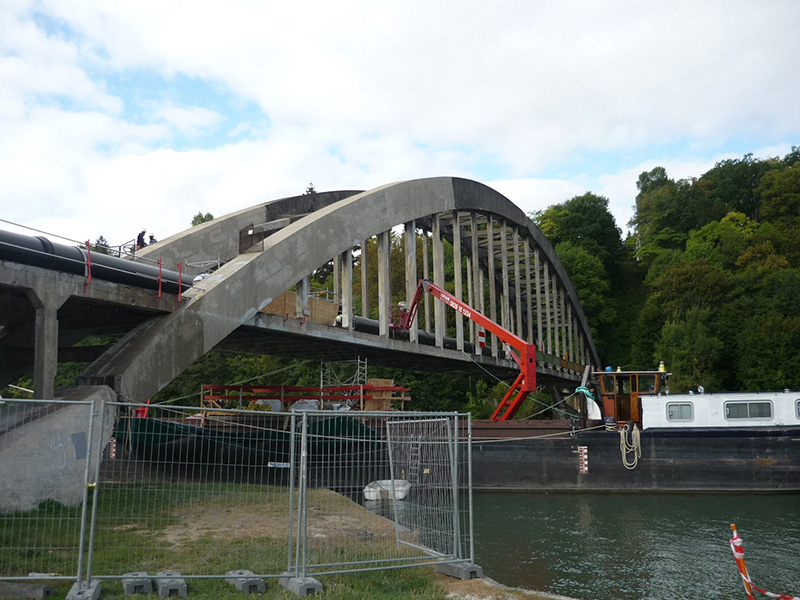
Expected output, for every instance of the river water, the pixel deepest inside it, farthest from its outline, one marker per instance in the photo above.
(637, 546)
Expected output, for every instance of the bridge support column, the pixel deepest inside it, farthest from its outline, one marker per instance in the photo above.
(301, 304)
(517, 285)
(459, 286)
(477, 283)
(364, 279)
(538, 283)
(346, 260)
(492, 279)
(384, 283)
(438, 279)
(46, 300)
(411, 272)
(529, 293)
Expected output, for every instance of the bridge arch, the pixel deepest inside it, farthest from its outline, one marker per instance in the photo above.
(511, 270)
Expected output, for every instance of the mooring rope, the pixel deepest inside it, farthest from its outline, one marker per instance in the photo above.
(634, 447)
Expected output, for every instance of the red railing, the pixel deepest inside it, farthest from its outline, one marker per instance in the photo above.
(357, 397)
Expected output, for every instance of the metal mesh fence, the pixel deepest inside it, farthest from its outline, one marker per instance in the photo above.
(209, 492)
(367, 507)
(45, 450)
(200, 492)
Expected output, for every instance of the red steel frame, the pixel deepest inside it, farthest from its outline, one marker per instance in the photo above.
(525, 355)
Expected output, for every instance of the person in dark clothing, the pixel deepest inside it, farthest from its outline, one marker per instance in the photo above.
(140, 243)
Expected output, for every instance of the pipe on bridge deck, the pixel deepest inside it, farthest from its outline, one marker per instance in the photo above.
(41, 252)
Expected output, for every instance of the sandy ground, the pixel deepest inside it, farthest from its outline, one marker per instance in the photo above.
(488, 589)
(347, 521)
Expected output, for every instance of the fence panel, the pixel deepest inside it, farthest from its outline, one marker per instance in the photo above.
(44, 454)
(373, 499)
(202, 492)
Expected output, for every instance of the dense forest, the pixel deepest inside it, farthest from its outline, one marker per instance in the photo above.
(707, 280)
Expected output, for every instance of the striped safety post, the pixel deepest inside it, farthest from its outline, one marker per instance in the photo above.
(738, 554)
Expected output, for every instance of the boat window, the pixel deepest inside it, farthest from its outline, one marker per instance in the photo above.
(680, 411)
(609, 386)
(797, 408)
(748, 410)
(647, 384)
(626, 385)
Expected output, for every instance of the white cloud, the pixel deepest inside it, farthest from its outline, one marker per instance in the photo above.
(543, 101)
(190, 120)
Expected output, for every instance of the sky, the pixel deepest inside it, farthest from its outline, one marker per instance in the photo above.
(117, 115)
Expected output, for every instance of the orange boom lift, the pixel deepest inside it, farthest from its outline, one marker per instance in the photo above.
(523, 353)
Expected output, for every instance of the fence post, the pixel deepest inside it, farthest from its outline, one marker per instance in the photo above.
(469, 488)
(297, 582)
(84, 589)
(96, 493)
(452, 434)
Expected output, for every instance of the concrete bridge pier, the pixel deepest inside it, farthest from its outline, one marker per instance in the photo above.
(46, 299)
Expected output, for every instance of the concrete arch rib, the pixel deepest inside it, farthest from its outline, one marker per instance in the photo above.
(154, 354)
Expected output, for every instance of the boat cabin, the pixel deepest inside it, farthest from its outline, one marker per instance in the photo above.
(621, 392)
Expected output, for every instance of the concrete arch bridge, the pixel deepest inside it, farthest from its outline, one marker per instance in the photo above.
(460, 234)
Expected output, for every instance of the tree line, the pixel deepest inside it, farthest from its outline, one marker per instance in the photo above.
(707, 280)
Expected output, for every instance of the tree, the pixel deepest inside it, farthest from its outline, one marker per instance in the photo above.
(733, 183)
(649, 181)
(310, 191)
(779, 194)
(590, 280)
(692, 352)
(201, 218)
(586, 221)
(101, 245)
(721, 243)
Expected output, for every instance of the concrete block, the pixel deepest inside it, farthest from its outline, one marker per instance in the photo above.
(460, 570)
(300, 586)
(24, 590)
(170, 583)
(137, 583)
(82, 591)
(245, 581)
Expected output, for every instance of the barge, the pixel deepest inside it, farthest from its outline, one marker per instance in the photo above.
(648, 440)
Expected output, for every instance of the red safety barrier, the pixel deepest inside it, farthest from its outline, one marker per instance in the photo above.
(88, 265)
(231, 396)
(738, 554)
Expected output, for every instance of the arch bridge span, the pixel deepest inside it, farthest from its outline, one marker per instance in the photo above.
(460, 234)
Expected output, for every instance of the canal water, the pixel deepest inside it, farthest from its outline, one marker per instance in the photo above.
(637, 546)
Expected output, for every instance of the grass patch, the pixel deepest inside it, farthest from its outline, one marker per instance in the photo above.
(207, 530)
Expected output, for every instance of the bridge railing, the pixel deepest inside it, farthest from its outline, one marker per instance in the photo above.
(248, 497)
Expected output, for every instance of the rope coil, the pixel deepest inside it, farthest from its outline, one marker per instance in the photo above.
(634, 447)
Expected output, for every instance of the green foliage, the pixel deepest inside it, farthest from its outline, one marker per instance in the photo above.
(586, 222)
(733, 184)
(723, 288)
(688, 345)
(779, 193)
(201, 218)
(588, 242)
(591, 282)
(101, 245)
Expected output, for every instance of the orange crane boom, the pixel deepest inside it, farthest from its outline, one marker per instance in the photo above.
(525, 355)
